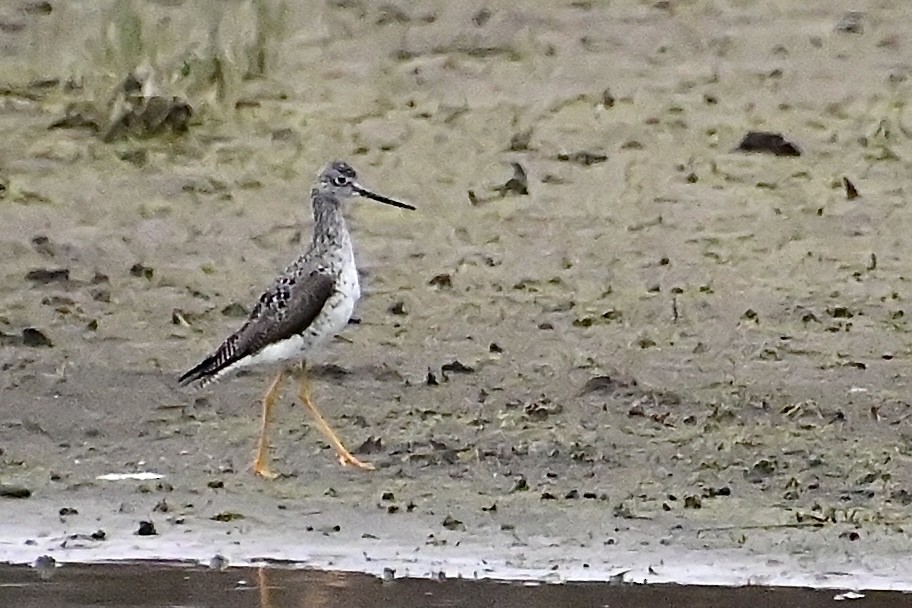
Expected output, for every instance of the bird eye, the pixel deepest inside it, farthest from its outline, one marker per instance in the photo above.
(340, 180)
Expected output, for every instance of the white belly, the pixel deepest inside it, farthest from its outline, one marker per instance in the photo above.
(341, 305)
(349, 281)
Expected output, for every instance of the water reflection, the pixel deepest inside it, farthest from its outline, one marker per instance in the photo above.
(265, 591)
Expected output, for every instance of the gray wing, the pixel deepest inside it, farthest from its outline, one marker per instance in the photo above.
(284, 310)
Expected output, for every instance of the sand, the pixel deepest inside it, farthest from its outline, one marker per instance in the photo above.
(680, 360)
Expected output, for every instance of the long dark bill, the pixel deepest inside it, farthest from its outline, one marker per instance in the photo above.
(381, 199)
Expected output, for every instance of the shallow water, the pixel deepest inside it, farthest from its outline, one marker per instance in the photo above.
(145, 584)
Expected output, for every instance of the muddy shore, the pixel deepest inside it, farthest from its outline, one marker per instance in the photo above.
(674, 358)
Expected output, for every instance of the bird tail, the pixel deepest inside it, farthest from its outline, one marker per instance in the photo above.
(200, 376)
(211, 368)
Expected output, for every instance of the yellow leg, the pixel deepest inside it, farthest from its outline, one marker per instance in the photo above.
(261, 464)
(345, 457)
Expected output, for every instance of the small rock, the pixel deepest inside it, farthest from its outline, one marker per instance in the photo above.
(36, 338)
(78, 115)
(520, 141)
(840, 312)
(541, 409)
(442, 281)
(770, 143)
(43, 245)
(518, 184)
(850, 535)
(451, 523)
(397, 308)
(608, 384)
(618, 577)
(37, 7)
(851, 23)
(138, 270)
(48, 275)
(226, 516)
(519, 484)
(583, 157)
(13, 491)
(138, 157)
(101, 295)
(850, 189)
(762, 469)
(713, 492)
(693, 502)
(481, 17)
(456, 367)
(371, 445)
(146, 528)
(235, 310)
(750, 315)
(902, 496)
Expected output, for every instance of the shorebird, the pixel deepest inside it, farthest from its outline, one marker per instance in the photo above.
(311, 300)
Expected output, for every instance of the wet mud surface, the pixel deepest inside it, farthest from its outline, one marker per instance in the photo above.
(644, 350)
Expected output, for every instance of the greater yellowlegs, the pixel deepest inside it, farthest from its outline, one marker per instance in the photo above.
(313, 299)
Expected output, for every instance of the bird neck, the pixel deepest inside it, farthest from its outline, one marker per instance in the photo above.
(329, 224)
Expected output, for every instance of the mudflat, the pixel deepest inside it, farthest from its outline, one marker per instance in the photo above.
(649, 351)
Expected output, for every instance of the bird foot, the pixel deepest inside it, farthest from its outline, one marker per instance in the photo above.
(347, 459)
(262, 470)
